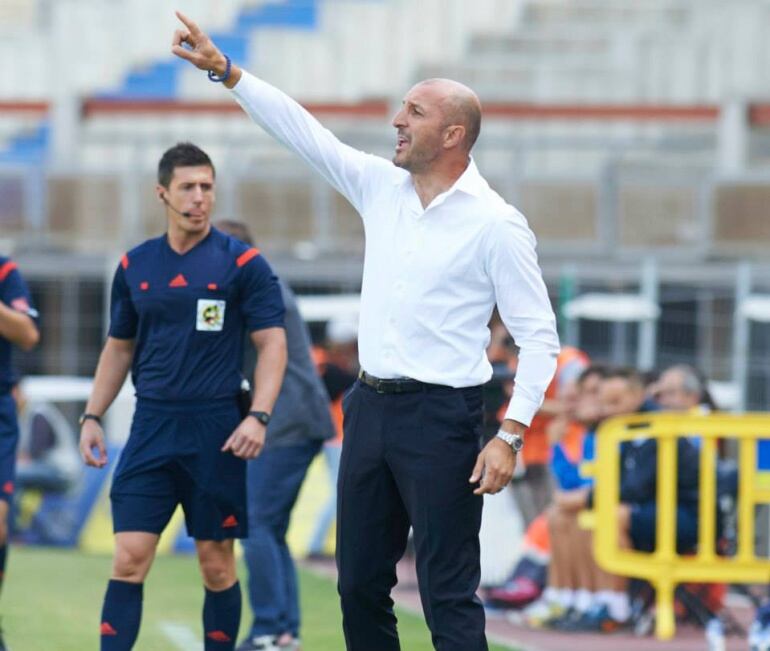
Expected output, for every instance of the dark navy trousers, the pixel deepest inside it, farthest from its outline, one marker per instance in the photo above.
(406, 460)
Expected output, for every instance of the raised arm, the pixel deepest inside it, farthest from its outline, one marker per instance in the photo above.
(283, 118)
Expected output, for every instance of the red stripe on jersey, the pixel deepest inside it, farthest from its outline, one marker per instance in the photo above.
(244, 257)
(124, 261)
(7, 268)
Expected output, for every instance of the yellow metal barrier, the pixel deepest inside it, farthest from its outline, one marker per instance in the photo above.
(664, 568)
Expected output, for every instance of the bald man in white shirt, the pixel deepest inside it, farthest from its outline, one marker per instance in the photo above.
(442, 249)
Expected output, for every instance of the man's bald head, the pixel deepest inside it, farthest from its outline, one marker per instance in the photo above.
(459, 105)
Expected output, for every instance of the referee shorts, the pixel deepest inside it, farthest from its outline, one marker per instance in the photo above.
(173, 456)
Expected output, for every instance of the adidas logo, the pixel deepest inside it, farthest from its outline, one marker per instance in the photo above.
(218, 636)
(230, 521)
(178, 281)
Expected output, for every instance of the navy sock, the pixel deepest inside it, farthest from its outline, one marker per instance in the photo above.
(3, 556)
(121, 614)
(221, 618)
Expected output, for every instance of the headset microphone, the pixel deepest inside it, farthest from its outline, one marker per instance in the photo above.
(185, 214)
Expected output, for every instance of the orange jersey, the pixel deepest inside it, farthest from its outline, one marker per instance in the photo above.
(336, 410)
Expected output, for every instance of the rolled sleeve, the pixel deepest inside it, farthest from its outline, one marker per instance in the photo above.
(522, 300)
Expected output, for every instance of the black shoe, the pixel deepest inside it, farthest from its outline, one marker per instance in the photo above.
(260, 643)
(3, 645)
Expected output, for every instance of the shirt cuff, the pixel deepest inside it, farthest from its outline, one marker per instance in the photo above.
(522, 410)
(247, 80)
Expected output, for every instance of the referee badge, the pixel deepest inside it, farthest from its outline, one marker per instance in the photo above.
(211, 315)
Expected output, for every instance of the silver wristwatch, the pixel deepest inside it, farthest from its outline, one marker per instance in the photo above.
(514, 440)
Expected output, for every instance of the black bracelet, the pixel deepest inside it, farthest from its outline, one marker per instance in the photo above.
(216, 78)
(86, 416)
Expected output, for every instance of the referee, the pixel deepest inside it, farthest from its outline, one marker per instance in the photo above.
(441, 250)
(180, 305)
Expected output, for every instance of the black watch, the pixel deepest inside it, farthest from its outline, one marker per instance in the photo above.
(86, 416)
(262, 416)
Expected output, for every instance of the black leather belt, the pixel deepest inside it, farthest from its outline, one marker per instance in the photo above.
(403, 385)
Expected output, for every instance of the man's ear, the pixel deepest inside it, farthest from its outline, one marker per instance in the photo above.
(453, 136)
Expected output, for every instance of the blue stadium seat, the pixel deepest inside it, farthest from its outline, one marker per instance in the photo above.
(300, 14)
(28, 147)
(156, 81)
(160, 80)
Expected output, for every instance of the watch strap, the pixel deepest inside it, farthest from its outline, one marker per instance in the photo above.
(86, 416)
(514, 440)
(262, 416)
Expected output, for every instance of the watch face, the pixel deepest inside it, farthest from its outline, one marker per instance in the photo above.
(261, 416)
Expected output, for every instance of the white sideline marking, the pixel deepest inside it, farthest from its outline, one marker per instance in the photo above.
(181, 635)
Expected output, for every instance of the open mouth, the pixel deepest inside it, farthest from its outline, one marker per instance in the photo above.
(401, 142)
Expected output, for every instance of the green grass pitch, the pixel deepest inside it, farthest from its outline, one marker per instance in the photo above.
(52, 599)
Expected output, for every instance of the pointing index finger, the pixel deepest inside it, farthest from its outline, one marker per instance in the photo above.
(189, 23)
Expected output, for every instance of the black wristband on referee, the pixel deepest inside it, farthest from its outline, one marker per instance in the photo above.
(262, 416)
(86, 416)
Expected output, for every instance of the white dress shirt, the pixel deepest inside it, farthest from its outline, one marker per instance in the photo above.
(431, 276)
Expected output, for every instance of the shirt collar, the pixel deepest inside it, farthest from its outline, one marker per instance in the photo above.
(470, 181)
